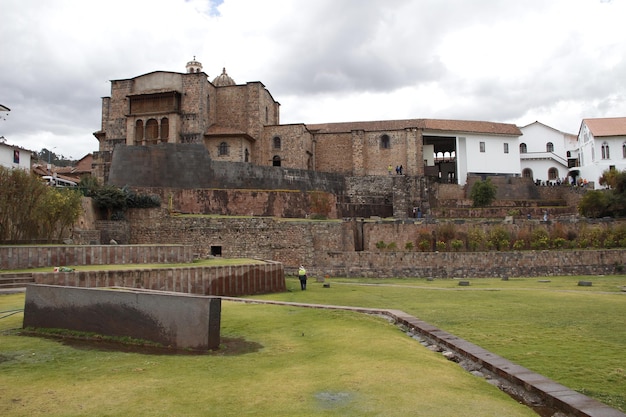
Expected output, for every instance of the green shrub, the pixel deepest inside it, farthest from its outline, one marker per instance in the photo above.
(409, 246)
(456, 245)
(441, 245)
(559, 243)
(424, 245)
(483, 193)
(392, 246)
(595, 203)
(381, 245)
(519, 245)
(499, 238)
(475, 239)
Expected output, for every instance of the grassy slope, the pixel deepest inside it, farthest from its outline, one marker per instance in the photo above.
(294, 362)
(573, 335)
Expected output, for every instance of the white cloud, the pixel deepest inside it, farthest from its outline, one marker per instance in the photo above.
(324, 60)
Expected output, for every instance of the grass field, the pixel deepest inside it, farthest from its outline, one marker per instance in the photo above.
(571, 334)
(286, 361)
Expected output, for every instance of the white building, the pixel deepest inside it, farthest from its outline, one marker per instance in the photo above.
(14, 156)
(547, 155)
(602, 146)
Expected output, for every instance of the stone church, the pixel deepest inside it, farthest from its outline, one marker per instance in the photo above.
(240, 123)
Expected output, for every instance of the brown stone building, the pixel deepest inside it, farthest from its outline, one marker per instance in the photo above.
(241, 123)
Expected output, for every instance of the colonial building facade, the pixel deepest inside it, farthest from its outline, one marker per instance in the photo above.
(241, 123)
(602, 146)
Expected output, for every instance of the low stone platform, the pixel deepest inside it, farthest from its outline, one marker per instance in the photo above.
(175, 320)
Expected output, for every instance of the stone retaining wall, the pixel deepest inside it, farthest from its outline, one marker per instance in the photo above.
(470, 264)
(23, 257)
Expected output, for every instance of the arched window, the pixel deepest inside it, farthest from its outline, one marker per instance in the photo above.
(222, 150)
(624, 150)
(549, 147)
(246, 155)
(138, 132)
(165, 129)
(605, 151)
(527, 173)
(277, 143)
(553, 174)
(385, 142)
(152, 131)
(523, 148)
(276, 161)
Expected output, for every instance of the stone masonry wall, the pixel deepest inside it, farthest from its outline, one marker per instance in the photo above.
(24, 257)
(471, 264)
(330, 247)
(334, 153)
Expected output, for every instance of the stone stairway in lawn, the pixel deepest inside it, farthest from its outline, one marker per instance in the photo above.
(15, 280)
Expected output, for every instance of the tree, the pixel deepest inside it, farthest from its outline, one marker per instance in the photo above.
(483, 193)
(611, 202)
(31, 210)
(595, 203)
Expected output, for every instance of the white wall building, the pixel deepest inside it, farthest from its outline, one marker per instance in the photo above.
(487, 155)
(602, 146)
(547, 155)
(14, 156)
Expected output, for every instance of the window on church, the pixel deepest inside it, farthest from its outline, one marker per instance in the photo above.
(276, 161)
(277, 142)
(222, 150)
(138, 132)
(605, 151)
(152, 131)
(506, 148)
(549, 147)
(624, 150)
(165, 129)
(523, 148)
(385, 142)
(246, 155)
(482, 146)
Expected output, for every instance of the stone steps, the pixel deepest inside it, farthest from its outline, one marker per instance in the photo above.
(16, 280)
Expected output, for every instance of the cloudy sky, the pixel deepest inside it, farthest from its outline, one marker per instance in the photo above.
(555, 61)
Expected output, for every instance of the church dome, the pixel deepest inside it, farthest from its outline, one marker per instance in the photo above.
(223, 79)
(193, 66)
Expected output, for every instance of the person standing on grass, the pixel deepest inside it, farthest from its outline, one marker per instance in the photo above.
(302, 277)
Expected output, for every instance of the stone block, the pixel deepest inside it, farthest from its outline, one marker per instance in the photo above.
(177, 320)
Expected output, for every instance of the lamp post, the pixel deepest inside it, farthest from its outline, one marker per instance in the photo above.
(49, 161)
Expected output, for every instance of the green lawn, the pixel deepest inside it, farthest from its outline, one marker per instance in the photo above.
(275, 361)
(286, 361)
(574, 335)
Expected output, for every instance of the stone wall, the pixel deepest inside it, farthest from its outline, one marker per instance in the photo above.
(188, 166)
(232, 280)
(23, 257)
(175, 320)
(349, 248)
(470, 264)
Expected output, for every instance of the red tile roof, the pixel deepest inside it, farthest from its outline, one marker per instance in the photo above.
(463, 126)
(610, 126)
